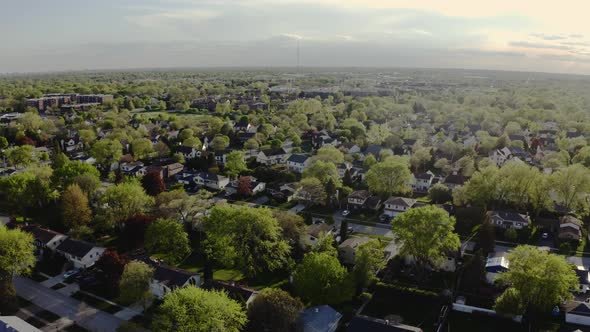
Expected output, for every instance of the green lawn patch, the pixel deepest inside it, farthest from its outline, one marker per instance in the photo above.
(463, 322)
(416, 307)
(47, 316)
(228, 275)
(96, 303)
(36, 322)
(193, 263)
(58, 286)
(38, 277)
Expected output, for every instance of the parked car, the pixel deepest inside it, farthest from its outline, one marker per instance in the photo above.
(71, 273)
(345, 213)
(384, 218)
(545, 236)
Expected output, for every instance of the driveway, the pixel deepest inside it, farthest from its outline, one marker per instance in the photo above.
(65, 306)
(377, 229)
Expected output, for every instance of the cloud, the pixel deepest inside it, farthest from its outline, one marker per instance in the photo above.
(526, 44)
(171, 18)
(548, 37)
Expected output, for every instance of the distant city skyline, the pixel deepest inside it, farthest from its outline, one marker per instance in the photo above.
(64, 35)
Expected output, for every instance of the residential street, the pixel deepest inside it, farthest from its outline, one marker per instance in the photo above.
(65, 306)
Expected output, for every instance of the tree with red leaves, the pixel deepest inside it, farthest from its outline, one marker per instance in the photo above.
(245, 185)
(25, 140)
(152, 183)
(133, 234)
(111, 266)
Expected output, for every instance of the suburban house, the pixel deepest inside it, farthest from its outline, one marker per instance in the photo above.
(319, 319)
(298, 162)
(16, 324)
(245, 126)
(211, 180)
(313, 234)
(188, 152)
(495, 264)
(397, 205)
(342, 168)
(365, 323)
(82, 254)
(454, 181)
(72, 144)
(135, 168)
(577, 313)
(507, 219)
(167, 278)
(358, 199)
(423, 181)
(583, 280)
(347, 249)
(44, 238)
(570, 228)
(271, 157)
(242, 294)
(500, 156)
(255, 186)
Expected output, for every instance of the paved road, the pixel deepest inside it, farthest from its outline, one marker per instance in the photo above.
(378, 229)
(65, 306)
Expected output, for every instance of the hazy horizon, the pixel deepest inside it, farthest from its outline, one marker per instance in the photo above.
(63, 35)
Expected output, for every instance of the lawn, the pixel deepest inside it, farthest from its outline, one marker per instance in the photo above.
(462, 322)
(416, 309)
(97, 303)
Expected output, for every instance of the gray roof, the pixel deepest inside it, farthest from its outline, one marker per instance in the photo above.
(298, 158)
(319, 319)
(401, 201)
(75, 248)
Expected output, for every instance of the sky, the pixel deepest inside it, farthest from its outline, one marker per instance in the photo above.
(523, 35)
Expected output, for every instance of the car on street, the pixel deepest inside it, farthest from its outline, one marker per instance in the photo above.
(345, 213)
(384, 218)
(545, 236)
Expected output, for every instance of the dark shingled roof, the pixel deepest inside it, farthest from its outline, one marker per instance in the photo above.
(298, 158)
(41, 234)
(274, 152)
(360, 194)
(171, 276)
(236, 292)
(75, 248)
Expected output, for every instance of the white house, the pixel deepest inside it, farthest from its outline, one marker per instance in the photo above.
(495, 264)
(358, 198)
(347, 249)
(298, 163)
(167, 278)
(500, 156)
(507, 219)
(271, 157)
(82, 254)
(423, 181)
(72, 144)
(44, 238)
(577, 313)
(135, 168)
(396, 205)
(314, 233)
(211, 180)
(255, 186)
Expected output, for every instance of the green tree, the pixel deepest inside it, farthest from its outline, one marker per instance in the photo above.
(536, 280)
(19, 156)
(420, 158)
(247, 238)
(106, 151)
(321, 279)
(273, 310)
(439, 193)
(142, 148)
(135, 283)
(178, 205)
(312, 191)
(326, 245)
(427, 234)
(89, 183)
(193, 142)
(74, 205)
(329, 154)
(16, 257)
(323, 171)
(572, 185)
(168, 239)
(389, 177)
(480, 190)
(369, 259)
(192, 309)
(292, 226)
(219, 142)
(235, 164)
(370, 160)
(122, 201)
(65, 172)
